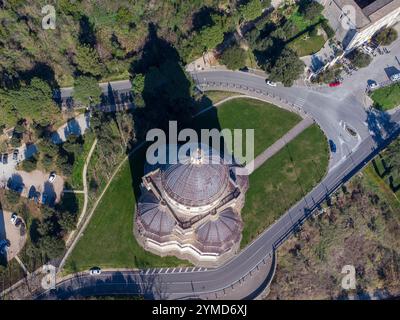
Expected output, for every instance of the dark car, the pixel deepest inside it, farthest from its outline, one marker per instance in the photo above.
(332, 146)
(15, 154)
(5, 158)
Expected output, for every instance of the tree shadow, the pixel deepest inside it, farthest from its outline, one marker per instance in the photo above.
(87, 33)
(16, 183)
(380, 125)
(203, 18)
(48, 195)
(168, 96)
(115, 284)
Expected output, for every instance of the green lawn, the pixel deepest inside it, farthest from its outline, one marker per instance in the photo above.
(109, 241)
(268, 121)
(386, 98)
(283, 180)
(76, 176)
(305, 46)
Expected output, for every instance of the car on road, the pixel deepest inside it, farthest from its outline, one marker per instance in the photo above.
(368, 49)
(52, 177)
(14, 218)
(395, 77)
(95, 271)
(4, 245)
(270, 83)
(335, 84)
(332, 146)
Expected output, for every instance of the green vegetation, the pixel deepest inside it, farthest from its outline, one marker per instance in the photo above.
(283, 180)
(234, 57)
(359, 58)
(329, 75)
(86, 90)
(310, 9)
(287, 68)
(108, 241)
(251, 10)
(268, 121)
(88, 61)
(79, 162)
(386, 98)
(386, 36)
(31, 101)
(278, 39)
(360, 226)
(306, 45)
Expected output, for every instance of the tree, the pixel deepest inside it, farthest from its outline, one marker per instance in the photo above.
(138, 89)
(310, 9)
(32, 101)
(30, 164)
(234, 57)
(287, 68)
(359, 58)
(386, 36)
(88, 61)
(251, 10)
(86, 90)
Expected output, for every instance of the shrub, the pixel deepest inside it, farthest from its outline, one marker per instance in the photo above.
(359, 58)
(386, 36)
(234, 57)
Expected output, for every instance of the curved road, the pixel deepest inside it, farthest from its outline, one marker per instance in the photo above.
(353, 153)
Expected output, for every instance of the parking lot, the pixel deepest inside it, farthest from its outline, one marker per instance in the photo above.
(16, 235)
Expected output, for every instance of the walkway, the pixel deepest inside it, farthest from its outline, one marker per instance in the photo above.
(278, 145)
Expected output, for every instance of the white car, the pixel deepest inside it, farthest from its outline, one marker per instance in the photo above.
(368, 49)
(95, 271)
(395, 77)
(270, 83)
(52, 177)
(14, 218)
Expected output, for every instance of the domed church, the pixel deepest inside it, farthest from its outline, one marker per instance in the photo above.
(191, 208)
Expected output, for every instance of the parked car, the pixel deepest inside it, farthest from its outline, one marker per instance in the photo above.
(332, 146)
(335, 84)
(270, 83)
(368, 49)
(15, 154)
(5, 158)
(95, 271)
(52, 177)
(14, 218)
(18, 222)
(44, 198)
(395, 77)
(4, 245)
(373, 85)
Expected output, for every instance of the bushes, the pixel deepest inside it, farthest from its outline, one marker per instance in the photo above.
(310, 9)
(330, 33)
(287, 68)
(359, 58)
(234, 57)
(30, 164)
(386, 36)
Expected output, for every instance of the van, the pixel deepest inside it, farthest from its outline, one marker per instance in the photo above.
(395, 77)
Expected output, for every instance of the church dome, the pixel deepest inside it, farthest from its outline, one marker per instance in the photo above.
(199, 179)
(153, 216)
(221, 230)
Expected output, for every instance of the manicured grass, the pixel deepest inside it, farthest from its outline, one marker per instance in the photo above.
(76, 176)
(283, 180)
(108, 240)
(268, 121)
(305, 46)
(386, 98)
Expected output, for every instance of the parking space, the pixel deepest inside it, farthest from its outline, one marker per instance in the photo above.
(15, 232)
